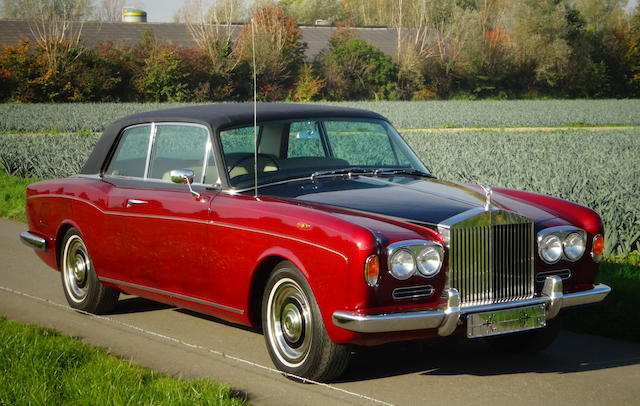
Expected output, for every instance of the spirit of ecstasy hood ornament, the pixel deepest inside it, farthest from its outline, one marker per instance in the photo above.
(487, 193)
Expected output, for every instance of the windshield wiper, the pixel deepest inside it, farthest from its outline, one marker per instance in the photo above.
(402, 171)
(348, 172)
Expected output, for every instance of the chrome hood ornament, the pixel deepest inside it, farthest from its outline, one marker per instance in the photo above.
(487, 193)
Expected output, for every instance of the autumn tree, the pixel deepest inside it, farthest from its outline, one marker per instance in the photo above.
(109, 10)
(279, 53)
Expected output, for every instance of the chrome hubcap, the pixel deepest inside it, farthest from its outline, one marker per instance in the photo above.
(289, 322)
(76, 266)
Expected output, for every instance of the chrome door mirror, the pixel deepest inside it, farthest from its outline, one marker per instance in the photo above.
(183, 176)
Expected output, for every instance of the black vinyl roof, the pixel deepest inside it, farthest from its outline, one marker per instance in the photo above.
(217, 117)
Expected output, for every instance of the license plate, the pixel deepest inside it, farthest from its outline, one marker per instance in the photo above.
(505, 321)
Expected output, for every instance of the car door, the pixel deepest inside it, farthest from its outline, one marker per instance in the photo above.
(160, 227)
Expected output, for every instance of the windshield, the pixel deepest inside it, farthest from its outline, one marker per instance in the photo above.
(302, 148)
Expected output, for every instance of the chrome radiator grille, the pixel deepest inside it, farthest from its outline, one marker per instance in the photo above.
(492, 263)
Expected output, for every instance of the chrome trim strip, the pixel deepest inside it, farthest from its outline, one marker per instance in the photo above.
(214, 223)
(412, 292)
(173, 295)
(447, 318)
(152, 137)
(33, 241)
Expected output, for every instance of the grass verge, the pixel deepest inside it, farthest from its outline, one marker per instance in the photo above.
(617, 315)
(12, 195)
(39, 366)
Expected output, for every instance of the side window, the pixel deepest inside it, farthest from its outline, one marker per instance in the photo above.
(361, 143)
(178, 147)
(238, 140)
(130, 157)
(304, 140)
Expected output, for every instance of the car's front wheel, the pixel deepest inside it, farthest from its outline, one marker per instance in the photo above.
(81, 286)
(294, 332)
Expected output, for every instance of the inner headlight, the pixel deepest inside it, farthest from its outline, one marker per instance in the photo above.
(551, 248)
(402, 264)
(429, 260)
(574, 246)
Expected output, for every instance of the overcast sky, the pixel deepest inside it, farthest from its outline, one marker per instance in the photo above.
(163, 10)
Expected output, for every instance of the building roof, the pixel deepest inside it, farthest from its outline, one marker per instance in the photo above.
(93, 33)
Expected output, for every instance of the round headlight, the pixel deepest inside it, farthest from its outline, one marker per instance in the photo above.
(429, 261)
(574, 246)
(402, 265)
(551, 248)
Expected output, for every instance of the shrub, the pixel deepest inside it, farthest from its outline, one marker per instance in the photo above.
(355, 70)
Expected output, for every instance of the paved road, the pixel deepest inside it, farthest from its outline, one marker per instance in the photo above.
(577, 369)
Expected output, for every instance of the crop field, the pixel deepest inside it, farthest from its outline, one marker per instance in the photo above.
(34, 118)
(597, 169)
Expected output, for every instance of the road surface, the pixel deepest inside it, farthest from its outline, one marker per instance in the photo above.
(577, 370)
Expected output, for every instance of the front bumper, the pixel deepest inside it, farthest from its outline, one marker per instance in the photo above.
(446, 319)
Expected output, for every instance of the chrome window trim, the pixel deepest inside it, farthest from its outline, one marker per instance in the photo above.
(562, 232)
(152, 138)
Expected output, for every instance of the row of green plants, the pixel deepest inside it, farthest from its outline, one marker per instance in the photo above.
(93, 117)
(470, 49)
(39, 366)
(595, 169)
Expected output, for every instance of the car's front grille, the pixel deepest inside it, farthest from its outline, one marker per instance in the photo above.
(492, 263)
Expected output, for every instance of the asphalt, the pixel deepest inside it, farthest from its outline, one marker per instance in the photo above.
(576, 370)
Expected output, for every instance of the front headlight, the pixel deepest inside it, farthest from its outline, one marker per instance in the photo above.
(574, 246)
(551, 248)
(402, 264)
(566, 242)
(429, 260)
(411, 257)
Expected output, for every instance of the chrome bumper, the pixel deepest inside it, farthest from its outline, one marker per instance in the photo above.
(446, 319)
(33, 241)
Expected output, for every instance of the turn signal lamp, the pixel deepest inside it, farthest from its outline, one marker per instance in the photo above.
(372, 270)
(597, 248)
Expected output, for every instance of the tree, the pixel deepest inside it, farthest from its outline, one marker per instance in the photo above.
(73, 10)
(355, 70)
(279, 52)
(308, 11)
(109, 10)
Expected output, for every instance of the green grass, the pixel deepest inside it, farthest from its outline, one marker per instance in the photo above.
(12, 195)
(39, 366)
(617, 315)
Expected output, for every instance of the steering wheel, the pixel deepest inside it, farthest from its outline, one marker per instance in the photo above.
(260, 157)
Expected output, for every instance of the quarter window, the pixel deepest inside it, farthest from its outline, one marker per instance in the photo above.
(130, 157)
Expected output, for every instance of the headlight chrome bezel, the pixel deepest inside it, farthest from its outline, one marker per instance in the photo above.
(563, 234)
(414, 248)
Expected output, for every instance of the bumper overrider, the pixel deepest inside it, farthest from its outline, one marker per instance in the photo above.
(446, 319)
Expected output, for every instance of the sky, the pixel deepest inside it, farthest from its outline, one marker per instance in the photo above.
(163, 10)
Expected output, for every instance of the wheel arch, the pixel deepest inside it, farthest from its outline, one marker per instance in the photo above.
(259, 277)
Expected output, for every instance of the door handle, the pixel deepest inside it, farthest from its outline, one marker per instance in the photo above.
(135, 202)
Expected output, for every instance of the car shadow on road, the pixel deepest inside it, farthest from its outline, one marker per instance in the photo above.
(570, 353)
(136, 304)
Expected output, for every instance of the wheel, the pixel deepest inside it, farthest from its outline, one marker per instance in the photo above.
(528, 342)
(293, 329)
(79, 281)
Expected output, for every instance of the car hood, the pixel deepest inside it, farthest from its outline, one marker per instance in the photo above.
(428, 201)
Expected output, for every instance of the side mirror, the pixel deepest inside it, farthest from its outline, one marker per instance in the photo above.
(182, 177)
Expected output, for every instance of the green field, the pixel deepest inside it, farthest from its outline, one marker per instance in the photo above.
(430, 114)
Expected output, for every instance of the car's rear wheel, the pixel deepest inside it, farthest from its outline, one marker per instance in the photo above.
(81, 286)
(528, 342)
(294, 332)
